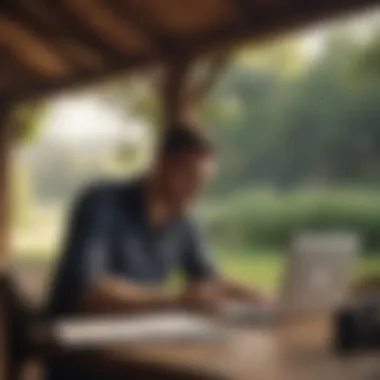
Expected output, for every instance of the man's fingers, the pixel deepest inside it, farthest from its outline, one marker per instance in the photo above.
(202, 297)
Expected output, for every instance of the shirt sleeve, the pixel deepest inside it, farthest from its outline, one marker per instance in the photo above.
(196, 264)
(84, 255)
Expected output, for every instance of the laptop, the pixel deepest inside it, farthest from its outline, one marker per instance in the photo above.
(316, 279)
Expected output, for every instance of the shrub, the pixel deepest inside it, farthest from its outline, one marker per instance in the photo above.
(270, 218)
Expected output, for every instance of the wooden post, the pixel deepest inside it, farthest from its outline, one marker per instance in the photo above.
(5, 142)
(182, 94)
(173, 95)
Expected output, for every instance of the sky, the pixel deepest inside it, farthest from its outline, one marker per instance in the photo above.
(83, 119)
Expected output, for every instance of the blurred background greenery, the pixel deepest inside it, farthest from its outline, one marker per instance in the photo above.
(297, 123)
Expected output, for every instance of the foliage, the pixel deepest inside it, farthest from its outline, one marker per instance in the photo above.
(27, 119)
(20, 195)
(270, 218)
(319, 126)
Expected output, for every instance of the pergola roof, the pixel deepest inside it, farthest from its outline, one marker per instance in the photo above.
(50, 45)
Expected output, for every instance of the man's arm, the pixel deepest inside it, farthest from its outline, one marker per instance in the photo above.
(226, 289)
(85, 281)
(205, 284)
(112, 295)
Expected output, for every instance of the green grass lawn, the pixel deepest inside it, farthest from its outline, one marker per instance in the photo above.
(265, 268)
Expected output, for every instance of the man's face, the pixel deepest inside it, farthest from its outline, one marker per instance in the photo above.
(185, 176)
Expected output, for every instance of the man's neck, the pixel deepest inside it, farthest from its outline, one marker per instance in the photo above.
(159, 210)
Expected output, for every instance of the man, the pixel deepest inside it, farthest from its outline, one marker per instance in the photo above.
(126, 240)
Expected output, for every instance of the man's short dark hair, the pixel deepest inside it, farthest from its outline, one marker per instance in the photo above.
(183, 138)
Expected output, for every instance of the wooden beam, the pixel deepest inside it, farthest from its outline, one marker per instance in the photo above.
(173, 92)
(260, 13)
(165, 44)
(5, 145)
(33, 52)
(39, 18)
(5, 148)
(74, 82)
(216, 41)
(16, 11)
(79, 30)
(11, 74)
(18, 71)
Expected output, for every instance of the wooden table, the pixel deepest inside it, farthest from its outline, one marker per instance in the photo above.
(299, 350)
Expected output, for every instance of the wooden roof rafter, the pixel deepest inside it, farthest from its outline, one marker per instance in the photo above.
(256, 10)
(34, 54)
(61, 38)
(14, 72)
(42, 20)
(162, 42)
(108, 22)
(79, 79)
(80, 31)
(84, 41)
(16, 11)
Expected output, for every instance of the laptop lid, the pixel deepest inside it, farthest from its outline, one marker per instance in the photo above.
(318, 272)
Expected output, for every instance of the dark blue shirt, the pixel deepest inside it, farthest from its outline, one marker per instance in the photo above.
(109, 234)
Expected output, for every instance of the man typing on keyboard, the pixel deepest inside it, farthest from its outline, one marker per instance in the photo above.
(125, 240)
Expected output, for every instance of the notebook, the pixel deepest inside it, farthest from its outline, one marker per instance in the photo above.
(153, 328)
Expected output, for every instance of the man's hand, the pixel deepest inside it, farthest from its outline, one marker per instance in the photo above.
(202, 297)
(238, 292)
(213, 295)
